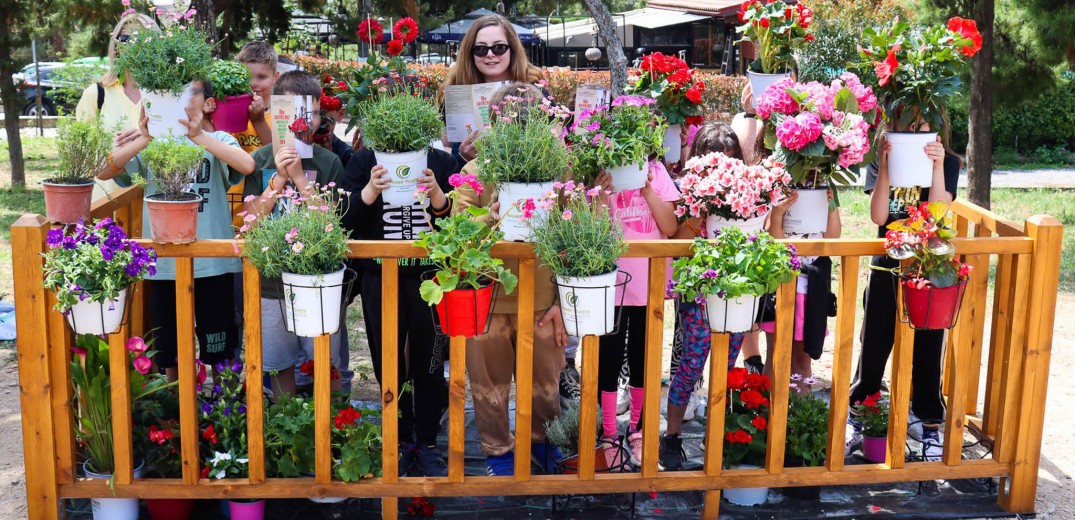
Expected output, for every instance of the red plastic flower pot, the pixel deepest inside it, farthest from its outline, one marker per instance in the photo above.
(931, 308)
(232, 113)
(68, 203)
(464, 312)
(170, 508)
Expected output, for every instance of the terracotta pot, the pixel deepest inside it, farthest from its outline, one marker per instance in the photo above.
(68, 203)
(931, 308)
(174, 221)
(570, 465)
(170, 508)
(464, 312)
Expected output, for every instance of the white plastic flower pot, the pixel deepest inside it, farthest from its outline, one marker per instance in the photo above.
(713, 224)
(629, 177)
(87, 317)
(312, 303)
(404, 169)
(673, 143)
(759, 82)
(810, 213)
(908, 164)
(588, 304)
(164, 111)
(730, 316)
(746, 496)
(114, 508)
(512, 223)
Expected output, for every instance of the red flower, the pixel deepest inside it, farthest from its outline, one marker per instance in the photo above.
(729, 437)
(342, 85)
(787, 13)
(371, 31)
(737, 378)
(695, 120)
(300, 125)
(695, 95)
(758, 382)
(738, 437)
(405, 29)
(204, 472)
(421, 506)
(326, 79)
(885, 69)
(681, 77)
(967, 29)
(330, 103)
(346, 418)
(759, 422)
(808, 38)
(395, 47)
(209, 434)
(871, 400)
(753, 399)
(764, 22)
(964, 270)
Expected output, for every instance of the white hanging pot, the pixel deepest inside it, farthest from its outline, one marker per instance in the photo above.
(403, 170)
(512, 223)
(729, 316)
(810, 213)
(164, 111)
(312, 303)
(673, 143)
(588, 304)
(629, 177)
(88, 317)
(759, 82)
(713, 224)
(114, 508)
(908, 164)
(746, 496)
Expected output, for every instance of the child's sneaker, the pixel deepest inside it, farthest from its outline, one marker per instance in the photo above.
(932, 446)
(616, 457)
(693, 403)
(500, 465)
(852, 435)
(430, 463)
(546, 456)
(569, 384)
(671, 456)
(754, 364)
(634, 444)
(407, 458)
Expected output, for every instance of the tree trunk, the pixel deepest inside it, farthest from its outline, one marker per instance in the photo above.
(606, 28)
(10, 98)
(980, 133)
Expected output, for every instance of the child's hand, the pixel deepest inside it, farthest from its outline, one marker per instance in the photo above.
(286, 158)
(559, 334)
(379, 179)
(747, 99)
(258, 106)
(603, 181)
(882, 158)
(433, 191)
(648, 188)
(935, 150)
(494, 209)
(194, 123)
(466, 148)
(780, 208)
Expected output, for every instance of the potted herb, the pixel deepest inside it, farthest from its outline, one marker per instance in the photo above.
(84, 148)
(777, 30)
(459, 246)
(580, 244)
(873, 412)
(916, 74)
(563, 432)
(522, 155)
(164, 62)
(305, 246)
(231, 89)
(728, 193)
(669, 81)
(823, 135)
(172, 207)
(932, 280)
(746, 430)
(620, 140)
(89, 269)
(730, 274)
(223, 434)
(805, 443)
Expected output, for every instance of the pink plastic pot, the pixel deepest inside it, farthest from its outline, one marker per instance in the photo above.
(231, 114)
(875, 448)
(247, 510)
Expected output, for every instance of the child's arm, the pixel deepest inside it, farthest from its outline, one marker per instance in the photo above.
(879, 198)
(123, 154)
(689, 228)
(663, 211)
(835, 226)
(776, 216)
(938, 190)
(236, 158)
(257, 109)
(263, 204)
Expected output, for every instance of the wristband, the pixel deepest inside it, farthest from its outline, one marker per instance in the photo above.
(112, 164)
(693, 229)
(443, 211)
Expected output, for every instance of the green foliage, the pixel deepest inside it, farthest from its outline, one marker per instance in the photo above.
(173, 164)
(400, 123)
(84, 147)
(305, 238)
(93, 263)
(229, 78)
(837, 30)
(1029, 124)
(357, 444)
(289, 436)
(874, 415)
(526, 148)
(581, 239)
(734, 264)
(746, 428)
(622, 135)
(777, 29)
(223, 419)
(563, 431)
(165, 61)
(808, 422)
(923, 240)
(71, 81)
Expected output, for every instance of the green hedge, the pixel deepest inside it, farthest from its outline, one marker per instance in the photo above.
(1047, 122)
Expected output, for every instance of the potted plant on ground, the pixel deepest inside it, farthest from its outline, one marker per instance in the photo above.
(305, 246)
(563, 432)
(231, 89)
(164, 62)
(172, 207)
(90, 269)
(156, 422)
(223, 434)
(932, 280)
(746, 430)
(580, 244)
(728, 193)
(823, 134)
(356, 442)
(620, 140)
(730, 274)
(467, 273)
(805, 443)
(522, 155)
(873, 412)
(916, 74)
(776, 29)
(669, 81)
(84, 148)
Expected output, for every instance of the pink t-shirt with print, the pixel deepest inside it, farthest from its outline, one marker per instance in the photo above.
(632, 213)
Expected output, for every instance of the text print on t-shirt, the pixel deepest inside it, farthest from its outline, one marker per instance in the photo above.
(404, 222)
(202, 178)
(633, 211)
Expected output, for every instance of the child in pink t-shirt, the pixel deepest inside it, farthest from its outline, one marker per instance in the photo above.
(643, 214)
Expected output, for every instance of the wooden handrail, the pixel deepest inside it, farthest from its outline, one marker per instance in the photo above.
(117, 199)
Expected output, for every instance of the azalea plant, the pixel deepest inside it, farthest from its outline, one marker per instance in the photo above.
(580, 239)
(459, 246)
(305, 238)
(671, 83)
(808, 422)
(917, 70)
(923, 238)
(873, 412)
(173, 164)
(777, 30)
(94, 263)
(734, 264)
(723, 186)
(627, 133)
(166, 60)
(746, 418)
(223, 414)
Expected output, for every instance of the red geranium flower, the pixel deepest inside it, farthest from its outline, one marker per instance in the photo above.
(330, 103)
(759, 422)
(395, 47)
(695, 95)
(753, 399)
(739, 436)
(968, 29)
(764, 22)
(885, 69)
(205, 472)
(346, 418)
(737, 378)
(405, 29)
(808, 38)
(695, 120)
(371, 31)
(758, 381)
(209, 434)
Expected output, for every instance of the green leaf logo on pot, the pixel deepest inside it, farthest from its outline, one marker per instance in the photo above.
(149, 104)
(572, 299)
(403, 171)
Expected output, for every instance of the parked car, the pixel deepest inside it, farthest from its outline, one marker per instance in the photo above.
(60, 85)
(431, 57)
(28, 70)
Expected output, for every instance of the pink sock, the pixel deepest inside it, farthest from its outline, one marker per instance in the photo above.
(608, 413)
(638, 397)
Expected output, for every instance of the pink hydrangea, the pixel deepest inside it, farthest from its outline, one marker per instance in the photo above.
(776, 99)
(822, 97)
(797, 132)
(863, 93)
(850, 137)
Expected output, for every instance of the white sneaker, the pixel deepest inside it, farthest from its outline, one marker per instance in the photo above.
(932, 446)
(695, 404)
(852, 435)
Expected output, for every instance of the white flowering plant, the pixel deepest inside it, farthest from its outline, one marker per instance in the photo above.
(304, 237)
(166, 60)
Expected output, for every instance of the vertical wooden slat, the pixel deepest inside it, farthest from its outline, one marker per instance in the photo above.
(959, 354)
(390, 381)
(1011, 376)
(717, 406)
(457, 398)
(60, 342)
(843, 350)
(711, 511)
(978, 290)
(781, 378)
(188, 409)
(962, 228)
(38, 428)
(999, 339)
(588, 407)
(322, 409)
(120, 378)
(651, 429)
(138, 309)
(255, 412)
(900, 395)
(524, 369)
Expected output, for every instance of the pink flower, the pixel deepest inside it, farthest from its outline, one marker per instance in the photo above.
(776, 99)
(297, 247)
(329, 228)
(136, 345)
(864, 94)
(291, 235)
(822, 97)
(566, 215)
(798, 132)
(528, 207)
(142, 364)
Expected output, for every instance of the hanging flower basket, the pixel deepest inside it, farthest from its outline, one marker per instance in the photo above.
(732, 316)
(588, 304)
(313, 303)
(932, 308)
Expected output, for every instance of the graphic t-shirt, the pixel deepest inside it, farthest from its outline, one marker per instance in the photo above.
(900, 198)
(631, 211)
(249, 142)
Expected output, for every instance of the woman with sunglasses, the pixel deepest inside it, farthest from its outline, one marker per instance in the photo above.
(490, 52)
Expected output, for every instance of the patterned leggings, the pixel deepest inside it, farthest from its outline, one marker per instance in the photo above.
(691, 343)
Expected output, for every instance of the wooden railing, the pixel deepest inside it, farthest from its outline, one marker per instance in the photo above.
(1017, 355)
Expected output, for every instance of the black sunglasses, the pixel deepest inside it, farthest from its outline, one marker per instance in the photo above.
(482, 50)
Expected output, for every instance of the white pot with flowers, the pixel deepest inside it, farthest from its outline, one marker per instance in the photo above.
(619, 140)
(729, 193)
(776, 29)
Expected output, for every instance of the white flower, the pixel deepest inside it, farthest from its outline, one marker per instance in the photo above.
(242, 461)
(219, 475)
(178, 60)
(219, 457)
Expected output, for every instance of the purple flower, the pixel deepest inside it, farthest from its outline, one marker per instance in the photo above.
(107, 252)
(236, 367)
(207, 408)
(69, 242)
(752, 237)
(217, 389)
(133, 269)
(55, 238)
(700, 299)
(242, 409)
(103, 223)
(711, 274)
(151, 270)
(227, 411)
(670, 289)
(633, 101)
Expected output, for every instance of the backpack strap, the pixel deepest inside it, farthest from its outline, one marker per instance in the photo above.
(100, 96)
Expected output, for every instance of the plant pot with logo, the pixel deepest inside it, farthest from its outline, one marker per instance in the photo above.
(84, 148)
(173, 211)
(619, 140)
(113, 508)
(809, 213)
(230, 82)
(313, 302)
(398, 125)
(729, 193)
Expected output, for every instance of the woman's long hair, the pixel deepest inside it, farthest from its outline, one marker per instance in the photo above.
(127, 25)
(465, 72)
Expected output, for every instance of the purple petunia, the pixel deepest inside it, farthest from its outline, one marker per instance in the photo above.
(207, 408)
(711, 274)
(55, 238)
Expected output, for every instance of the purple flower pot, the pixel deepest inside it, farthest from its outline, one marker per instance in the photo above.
(875, 448)
(247, 510)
